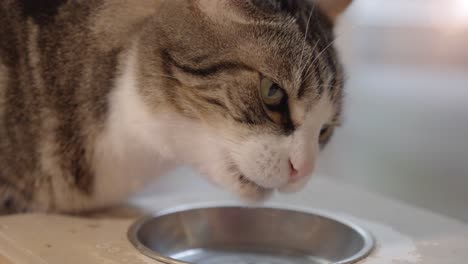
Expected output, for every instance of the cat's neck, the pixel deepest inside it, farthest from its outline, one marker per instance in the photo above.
(133, 147)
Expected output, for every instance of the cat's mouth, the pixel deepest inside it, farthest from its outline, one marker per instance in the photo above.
(252, 191)
(245, 181)
(247, 188)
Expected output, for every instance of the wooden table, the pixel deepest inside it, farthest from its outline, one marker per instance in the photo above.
(405, 235)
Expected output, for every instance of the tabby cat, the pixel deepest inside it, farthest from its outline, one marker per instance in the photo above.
(98, 97)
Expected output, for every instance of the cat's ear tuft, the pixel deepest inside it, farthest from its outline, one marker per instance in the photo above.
(333, 8)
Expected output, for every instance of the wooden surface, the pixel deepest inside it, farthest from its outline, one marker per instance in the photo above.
(4, 260)
(404, 234)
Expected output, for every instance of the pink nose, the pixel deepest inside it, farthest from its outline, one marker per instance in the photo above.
(293, 172)
(298, 173)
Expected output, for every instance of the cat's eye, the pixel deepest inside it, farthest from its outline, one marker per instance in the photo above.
(272, 93)
(325, 133)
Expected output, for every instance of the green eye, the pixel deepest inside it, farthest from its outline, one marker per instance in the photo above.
(325, 133)
(272, 94)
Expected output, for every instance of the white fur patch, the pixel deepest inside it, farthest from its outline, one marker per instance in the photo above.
(128, 153)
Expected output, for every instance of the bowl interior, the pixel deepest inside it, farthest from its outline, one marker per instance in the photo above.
(241, 235)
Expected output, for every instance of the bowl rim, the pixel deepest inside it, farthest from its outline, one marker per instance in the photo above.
(364, 252)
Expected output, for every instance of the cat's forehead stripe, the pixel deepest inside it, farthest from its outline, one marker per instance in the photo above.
(209, 70)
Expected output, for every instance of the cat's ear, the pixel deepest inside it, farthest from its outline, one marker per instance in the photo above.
(333, 8)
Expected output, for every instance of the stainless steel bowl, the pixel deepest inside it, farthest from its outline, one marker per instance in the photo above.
(241, 235)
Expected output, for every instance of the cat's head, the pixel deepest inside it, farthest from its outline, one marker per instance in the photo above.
(251, 89)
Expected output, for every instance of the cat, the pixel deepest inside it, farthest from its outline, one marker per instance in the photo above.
(98, 97)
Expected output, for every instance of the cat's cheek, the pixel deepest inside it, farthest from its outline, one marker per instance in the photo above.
(264, 160)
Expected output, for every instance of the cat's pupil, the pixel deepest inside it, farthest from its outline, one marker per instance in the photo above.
(324, 130)
(273, 90)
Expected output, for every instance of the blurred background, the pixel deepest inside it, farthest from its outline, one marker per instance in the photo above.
(406, 127)
(405, 131)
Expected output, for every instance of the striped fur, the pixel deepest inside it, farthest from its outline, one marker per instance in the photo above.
(79, 80)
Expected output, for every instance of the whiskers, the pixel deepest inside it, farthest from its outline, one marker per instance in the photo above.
(308, 70)
(301, 67)
(304, 77)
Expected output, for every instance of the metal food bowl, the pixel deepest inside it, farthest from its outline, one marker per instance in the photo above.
(241, 235)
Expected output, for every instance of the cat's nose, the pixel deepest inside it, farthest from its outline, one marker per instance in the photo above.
(293, 172)
(298, 172)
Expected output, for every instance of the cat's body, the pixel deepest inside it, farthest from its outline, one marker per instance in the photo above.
(97, 97)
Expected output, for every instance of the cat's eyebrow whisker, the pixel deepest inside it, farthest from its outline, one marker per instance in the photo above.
(324, 49)
(319, 56)
(329, 45)
(308, 72)
(304, 77)
(305, 39)
(303, 66)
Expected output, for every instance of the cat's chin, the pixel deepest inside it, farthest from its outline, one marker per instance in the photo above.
(252, 192)
(254, 196)
(294, 187)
